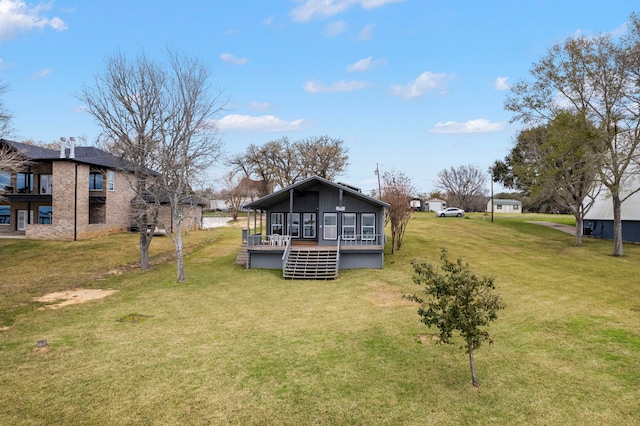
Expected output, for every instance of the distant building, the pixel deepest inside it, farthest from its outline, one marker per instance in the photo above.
(598, 221)
(505, 206)
(436, 204)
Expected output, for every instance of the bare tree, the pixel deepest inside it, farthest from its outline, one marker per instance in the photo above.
(462, 184)
(282, 163)
(397, 191)
(322, 156)
(5, 115)
(159, 119)
(232, 193)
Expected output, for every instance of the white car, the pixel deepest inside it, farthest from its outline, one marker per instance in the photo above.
(451, 211)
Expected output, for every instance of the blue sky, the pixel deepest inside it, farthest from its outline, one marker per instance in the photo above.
(412, 85)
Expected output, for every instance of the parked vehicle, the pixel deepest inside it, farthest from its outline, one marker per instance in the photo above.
(450, 211)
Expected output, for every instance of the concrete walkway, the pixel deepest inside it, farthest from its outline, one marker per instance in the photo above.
(215, 221)
(569, 229)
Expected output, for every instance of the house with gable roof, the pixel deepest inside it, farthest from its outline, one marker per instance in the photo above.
(68, 194)
(314, 228)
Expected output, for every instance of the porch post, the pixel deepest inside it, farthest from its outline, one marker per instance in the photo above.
(248, 225)
(289, 220)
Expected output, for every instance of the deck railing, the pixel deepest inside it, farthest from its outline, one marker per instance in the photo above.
(362, 240)
(284, 241)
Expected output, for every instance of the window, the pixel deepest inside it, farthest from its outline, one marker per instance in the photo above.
(5, 179)
(97, 213)
(111, 180)
(516, 207)
(45, 215)
(277, 223)
(294, 231)
(498, 206)
(349, 226)
(5, 215)
(46, 184)
(24, 182)
(95, 181)
(330, 226)
(368, 226)
(309, 225)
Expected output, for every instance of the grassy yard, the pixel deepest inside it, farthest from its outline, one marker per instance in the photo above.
(245, 347)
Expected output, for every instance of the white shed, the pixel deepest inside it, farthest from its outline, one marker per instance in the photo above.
(505, 206)
(436, 204)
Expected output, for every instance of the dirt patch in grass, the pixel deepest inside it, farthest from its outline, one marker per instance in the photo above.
(383, 295)
(72, 297)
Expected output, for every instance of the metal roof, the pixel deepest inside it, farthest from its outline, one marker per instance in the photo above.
(283, 194)
(602, 208)
(505, 202)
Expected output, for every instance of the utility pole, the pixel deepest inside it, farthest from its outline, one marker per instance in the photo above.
(379, 186)
(491, 197)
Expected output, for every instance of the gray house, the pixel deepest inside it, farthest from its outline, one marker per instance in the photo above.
(314, 228)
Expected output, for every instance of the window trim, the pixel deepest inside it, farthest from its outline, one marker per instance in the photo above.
(311, 227)
(273, 224)
(294, 225)
(93, 180)
(111, 180)
(5, 175)
(325, 235)
(48, 189)
(353, 226)
(25, 176)
(368, 236)
(7, 216)
(50, 215)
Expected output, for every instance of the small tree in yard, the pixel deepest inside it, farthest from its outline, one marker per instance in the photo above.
(456, 299)
(397, 191)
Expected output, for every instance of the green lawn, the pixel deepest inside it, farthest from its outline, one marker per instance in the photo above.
(244, 347)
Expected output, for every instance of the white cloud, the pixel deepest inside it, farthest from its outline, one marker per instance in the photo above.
(427, 81)
(367, 32)
(232, 59)
(264, 123)
(17, 16)
(310, 9)
(260, 106)
(366, 64)
(501, 83)
(270, 22)
(42, 73)
(334, 28)
(480, 125)
(315, 86)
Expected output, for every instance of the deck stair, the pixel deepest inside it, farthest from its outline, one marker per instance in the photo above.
(241, 258)
(313, 263)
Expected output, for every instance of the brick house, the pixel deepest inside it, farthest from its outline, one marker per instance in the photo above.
(67, 194)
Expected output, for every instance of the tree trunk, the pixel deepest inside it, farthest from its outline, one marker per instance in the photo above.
(578, 229)
(474, 379)
(179, 257)
(145, 242)
(393, 241)
(618, 249)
